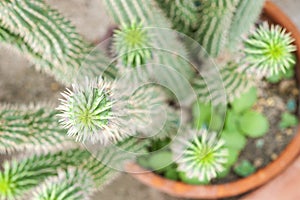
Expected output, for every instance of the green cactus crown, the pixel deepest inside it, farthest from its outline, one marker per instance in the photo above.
(87, 110)
(200, 154)
(132, 44)
(268, 50)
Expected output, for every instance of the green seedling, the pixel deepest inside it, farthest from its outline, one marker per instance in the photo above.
(288, 120)
(245, 101)
(234, 140)
(254, 124)
(244, 169)
(160, 160)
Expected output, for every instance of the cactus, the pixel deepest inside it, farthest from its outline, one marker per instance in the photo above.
(49, 41)
(111, 111)
(105, 163)
(268, 51)
(100, 111)
(132, 44)
(168, 129)
(31, 128)
(71, 184)
(246, 14)
(21, 177)
(199, 154)
(234, 83)
(184, 14)
(89, 108)
(167, 48)
(218, 24)
(214, 27)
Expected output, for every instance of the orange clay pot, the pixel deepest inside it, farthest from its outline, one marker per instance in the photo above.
(178, 189)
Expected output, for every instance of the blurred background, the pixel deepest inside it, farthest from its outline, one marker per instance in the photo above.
(20, 83)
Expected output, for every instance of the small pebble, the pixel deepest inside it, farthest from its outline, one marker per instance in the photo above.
(260, 143)
(295, 92)
(270, 102)
(289, 131)
(278, 137)
(291, 105)
(285, 86)
(262, 102)
(279, 103)
(258, 162)
(258, 108)
(54, 87)
(274, 156)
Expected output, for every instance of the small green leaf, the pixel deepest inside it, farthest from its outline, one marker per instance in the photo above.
(143, 161)
(254, 124)
(233, 139)
(233, 155)
(231, 122)
(260, 143)
(224, 173)
(171, 174)
(171, 167)
(216, 123)
(191, 181)
(245, 101)
(201, 114)
(160, 160)
(291, 105)
(290, 72)
(288, 120)
(244, 169)
(275, 78)
(158, 144)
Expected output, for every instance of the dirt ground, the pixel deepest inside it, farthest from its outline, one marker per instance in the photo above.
(21, 84)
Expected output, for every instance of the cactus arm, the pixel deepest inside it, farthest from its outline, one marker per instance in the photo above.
(72, 184)
(31, 128)
(234, 83)
(49, 41)
(20, 177)
(166, 46)
(183, 14)
(246, 14)
(215, 18)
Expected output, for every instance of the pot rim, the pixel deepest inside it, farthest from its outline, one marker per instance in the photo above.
(180, 189)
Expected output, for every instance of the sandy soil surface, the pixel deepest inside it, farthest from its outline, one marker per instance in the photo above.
(21, 84)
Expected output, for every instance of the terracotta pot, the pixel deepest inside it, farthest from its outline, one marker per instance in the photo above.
(179, 189)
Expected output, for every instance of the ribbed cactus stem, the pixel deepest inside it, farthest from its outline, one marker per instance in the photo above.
(49, 41)
(229, 83)
(20, 177)
(70, 184)
(246, 14)
(183, 14)
(33, 128)
(215, 18)
(105, 162)
(167, 51)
